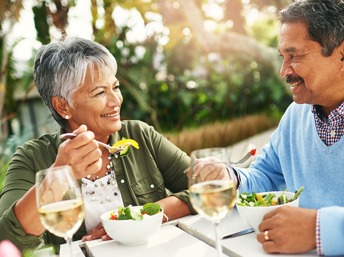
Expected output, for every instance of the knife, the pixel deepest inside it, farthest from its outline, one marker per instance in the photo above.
(240, 233)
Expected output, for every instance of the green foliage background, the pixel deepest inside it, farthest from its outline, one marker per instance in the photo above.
(188, 88)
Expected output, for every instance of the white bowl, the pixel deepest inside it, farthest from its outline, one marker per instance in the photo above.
(253, 216)
(132, 232)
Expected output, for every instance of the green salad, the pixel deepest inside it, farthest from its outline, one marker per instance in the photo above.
(258, 199)
(128, 213)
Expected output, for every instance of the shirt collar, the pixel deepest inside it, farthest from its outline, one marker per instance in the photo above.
(339, 111)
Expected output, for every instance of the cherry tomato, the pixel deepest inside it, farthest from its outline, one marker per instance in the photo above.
(113, 216)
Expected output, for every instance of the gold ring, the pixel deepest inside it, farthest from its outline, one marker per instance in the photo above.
(266, 235)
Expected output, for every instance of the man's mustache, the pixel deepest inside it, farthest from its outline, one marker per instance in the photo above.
(291, 79)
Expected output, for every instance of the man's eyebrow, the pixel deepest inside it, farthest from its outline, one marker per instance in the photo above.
(289, 50)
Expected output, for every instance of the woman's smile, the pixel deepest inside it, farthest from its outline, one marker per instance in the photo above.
(111, 115)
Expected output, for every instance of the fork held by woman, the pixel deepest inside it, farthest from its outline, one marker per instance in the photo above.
(112, 149)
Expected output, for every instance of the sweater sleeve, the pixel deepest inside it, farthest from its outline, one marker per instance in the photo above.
(265, 173)
(332, 230)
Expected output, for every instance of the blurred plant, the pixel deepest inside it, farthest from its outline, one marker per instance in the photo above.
(181, 75)
(3, 169)
(7, 148)
(221, 133)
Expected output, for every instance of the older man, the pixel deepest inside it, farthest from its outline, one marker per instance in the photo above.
(307, 148)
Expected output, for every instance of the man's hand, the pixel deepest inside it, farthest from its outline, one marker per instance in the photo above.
(290, 230)
(216, 171)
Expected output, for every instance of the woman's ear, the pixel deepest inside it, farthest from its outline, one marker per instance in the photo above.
(61, 107)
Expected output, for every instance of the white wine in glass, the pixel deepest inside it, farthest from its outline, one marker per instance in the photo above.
(59, 202)
(212, 198)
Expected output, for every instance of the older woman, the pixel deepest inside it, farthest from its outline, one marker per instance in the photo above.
(76, 79)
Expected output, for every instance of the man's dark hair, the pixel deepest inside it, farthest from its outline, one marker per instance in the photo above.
(324, 19)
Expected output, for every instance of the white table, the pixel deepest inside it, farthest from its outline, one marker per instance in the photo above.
(246, 245)
(188, 236)
(170, 241)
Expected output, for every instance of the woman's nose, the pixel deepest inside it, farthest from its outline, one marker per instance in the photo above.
(115, 98)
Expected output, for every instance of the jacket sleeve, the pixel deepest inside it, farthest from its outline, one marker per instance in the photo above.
(170, 160)
(20, 177)
(172, 163)
(11, 230)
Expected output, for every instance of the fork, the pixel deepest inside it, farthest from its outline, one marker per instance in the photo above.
(112, 149)
(251, 152)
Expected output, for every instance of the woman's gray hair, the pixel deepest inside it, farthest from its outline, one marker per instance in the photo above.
(60, 68)
(325, 21)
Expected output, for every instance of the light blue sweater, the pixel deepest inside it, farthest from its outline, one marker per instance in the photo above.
(295, 156)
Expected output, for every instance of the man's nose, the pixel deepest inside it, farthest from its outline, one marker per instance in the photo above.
(285, 70)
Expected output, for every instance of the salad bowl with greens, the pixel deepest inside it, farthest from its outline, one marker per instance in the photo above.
(133, 225)
(252, 207)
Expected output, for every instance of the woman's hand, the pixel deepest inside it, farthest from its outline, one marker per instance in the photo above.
(290, 230)
(81, 152)
(97, 232)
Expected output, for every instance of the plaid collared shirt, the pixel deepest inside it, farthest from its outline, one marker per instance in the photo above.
(330, 131)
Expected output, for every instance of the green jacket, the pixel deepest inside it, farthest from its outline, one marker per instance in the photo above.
(158, 162)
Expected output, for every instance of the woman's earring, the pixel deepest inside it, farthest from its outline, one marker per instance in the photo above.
(67, 117)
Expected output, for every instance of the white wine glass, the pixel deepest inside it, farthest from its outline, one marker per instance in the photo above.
(212, 198)
(59, 202)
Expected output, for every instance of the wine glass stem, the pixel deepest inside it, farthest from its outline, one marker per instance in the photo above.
(217, 239)
(69, 242)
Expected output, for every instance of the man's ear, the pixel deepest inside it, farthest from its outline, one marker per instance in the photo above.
(341, 47)
(61, 107)
(342, 61)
